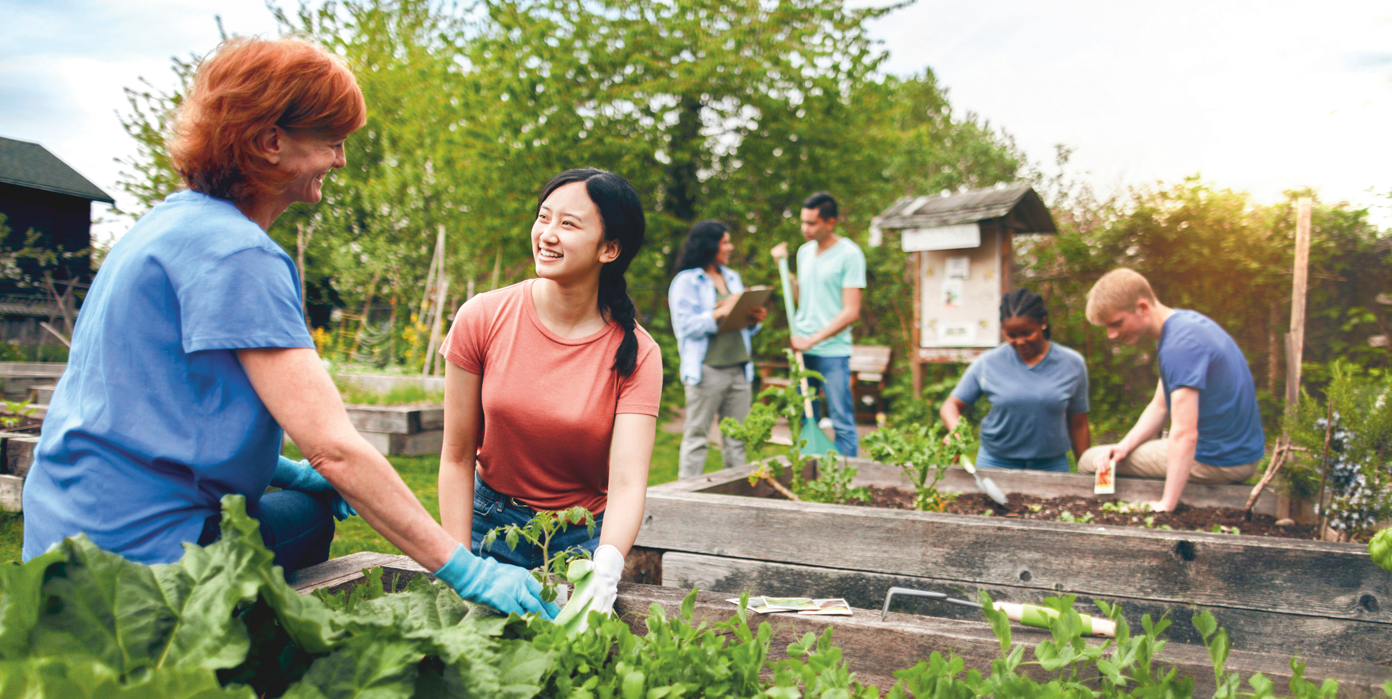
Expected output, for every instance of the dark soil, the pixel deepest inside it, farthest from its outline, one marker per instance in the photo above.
(1074, 508)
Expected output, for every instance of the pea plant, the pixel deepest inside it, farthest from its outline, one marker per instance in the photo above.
(923, 453)
(16, 412)
(539, 531)
(834, 474)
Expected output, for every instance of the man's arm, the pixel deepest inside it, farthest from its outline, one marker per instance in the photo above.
(1184, 439)
(850, 313)
(1147, 426)
(301, 397)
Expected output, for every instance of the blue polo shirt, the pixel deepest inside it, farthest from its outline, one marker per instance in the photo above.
(1196, 353)
(1030, 405)
(154, 419)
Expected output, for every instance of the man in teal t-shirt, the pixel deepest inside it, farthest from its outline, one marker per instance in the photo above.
(829, 281)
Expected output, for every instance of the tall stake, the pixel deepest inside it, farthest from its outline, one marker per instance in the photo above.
(302, 242)
(1296, 340)
(443, 289)
(1324, 465)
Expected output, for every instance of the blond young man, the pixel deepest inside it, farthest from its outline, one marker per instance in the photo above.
(1205, 390)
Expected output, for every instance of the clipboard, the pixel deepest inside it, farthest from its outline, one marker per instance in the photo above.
(752, 297)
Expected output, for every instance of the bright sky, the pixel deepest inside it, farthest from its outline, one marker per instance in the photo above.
(1259, 96)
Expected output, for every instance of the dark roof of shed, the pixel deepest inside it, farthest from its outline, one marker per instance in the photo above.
(969, 207)
(31, 165)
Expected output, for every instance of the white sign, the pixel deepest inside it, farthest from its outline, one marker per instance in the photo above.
(964, 235)
(957, 334)
(958, 267)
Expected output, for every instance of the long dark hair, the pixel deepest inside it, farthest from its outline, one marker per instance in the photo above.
(621, 215)
(1023, 303)
(702, 244)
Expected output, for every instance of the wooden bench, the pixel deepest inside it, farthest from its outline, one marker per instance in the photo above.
(869, 374)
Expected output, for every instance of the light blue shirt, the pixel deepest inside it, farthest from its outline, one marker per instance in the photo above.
(1196, 353)
(821, 277)
(154, 419)
(691, 298)
(1030, 405)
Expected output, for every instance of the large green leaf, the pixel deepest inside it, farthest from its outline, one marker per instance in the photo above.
(365, 667)
(21, 589)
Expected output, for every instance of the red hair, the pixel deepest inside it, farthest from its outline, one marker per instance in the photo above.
(245, 86)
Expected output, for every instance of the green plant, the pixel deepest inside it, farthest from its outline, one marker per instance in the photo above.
(538, 531)
(16, 412)
(1067, 516)
(924, 454)
(1124, 507)
(1380, 548)
(80, 622)
(833, 475)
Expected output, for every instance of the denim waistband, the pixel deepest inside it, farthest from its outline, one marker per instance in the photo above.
(481, 488)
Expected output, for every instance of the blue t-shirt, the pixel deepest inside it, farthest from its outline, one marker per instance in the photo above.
(154, 419)
(821, 277)
(1030, 405)
(1196, 353)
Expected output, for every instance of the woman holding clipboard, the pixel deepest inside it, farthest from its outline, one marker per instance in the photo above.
(715, 366)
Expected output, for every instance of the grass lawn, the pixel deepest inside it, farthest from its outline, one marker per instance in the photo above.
(419, 472)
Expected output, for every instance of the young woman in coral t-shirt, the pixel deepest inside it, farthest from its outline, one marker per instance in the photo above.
(553, 388)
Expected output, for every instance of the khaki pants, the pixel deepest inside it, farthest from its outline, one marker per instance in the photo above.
(723, 392)
(1149, 461)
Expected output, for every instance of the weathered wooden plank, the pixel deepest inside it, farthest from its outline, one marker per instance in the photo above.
(1240, 572)
(19, 454)
(875, 649)
(395, 419)
(1258, 631)
(11, 493)
(957, 480)
(406, 444)
(345, 572)
(40, 369)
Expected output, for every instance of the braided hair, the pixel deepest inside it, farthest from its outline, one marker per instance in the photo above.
(702, 245)
(1023, 303)
(621, 215)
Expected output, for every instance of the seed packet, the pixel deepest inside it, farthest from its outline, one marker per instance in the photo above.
(829, 607)
(1104, 480)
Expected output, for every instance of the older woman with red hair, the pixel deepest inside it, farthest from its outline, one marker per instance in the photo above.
(191, 352)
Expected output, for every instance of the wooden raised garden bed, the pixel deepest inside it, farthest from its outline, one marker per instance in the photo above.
(16, 455)
(875, 648)
(409, 430)
(1283, 596)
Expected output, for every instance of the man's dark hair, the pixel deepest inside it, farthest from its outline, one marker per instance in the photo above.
(823, 203)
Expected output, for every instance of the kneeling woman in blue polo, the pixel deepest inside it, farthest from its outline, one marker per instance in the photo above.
(1038, 391)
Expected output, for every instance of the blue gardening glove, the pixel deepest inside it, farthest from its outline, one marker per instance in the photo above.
(507, 588)
(299, 475)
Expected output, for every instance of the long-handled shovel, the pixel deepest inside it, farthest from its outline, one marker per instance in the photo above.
(817, 442)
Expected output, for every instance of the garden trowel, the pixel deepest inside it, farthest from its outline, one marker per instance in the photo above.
(987, 485)
(816, 439)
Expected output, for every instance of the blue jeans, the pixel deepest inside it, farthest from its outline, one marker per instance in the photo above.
(297, 527)
(493, 509)
(837, 371)
(1058, 464)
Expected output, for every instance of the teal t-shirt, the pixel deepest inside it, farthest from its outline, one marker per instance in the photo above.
(820, 281)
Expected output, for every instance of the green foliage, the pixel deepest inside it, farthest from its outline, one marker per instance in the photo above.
(923, 453)
(15, 412)
(1357, 471)
(1380, 548)
(834, 475)
(400, 394)
(538, 531)
(80, 622)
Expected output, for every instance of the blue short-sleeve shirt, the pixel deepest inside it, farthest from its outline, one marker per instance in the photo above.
(1196, 353)
(154, 419)
(1030, 405)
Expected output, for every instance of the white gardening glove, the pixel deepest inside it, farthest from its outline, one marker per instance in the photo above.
(608, 566)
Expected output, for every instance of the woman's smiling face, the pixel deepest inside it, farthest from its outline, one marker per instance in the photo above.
(568, 236)
(310, 157)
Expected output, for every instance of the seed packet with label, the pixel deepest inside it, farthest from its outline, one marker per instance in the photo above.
(1104, 480)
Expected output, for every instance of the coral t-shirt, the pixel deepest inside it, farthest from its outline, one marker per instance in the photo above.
(548, 402)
